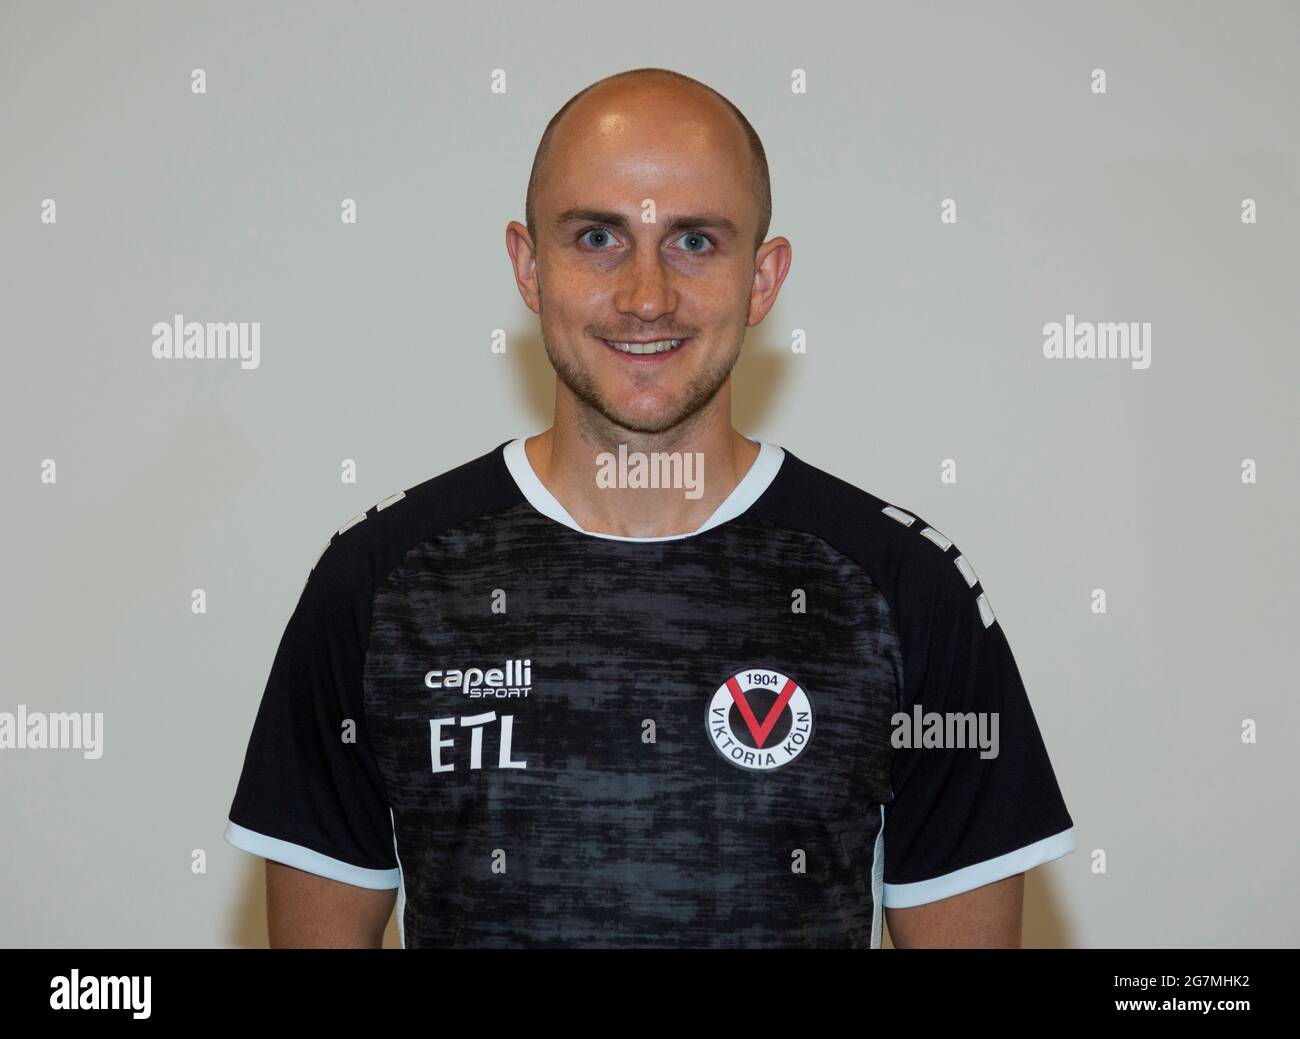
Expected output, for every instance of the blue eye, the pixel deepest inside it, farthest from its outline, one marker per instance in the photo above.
(700, 237)
(595, 231)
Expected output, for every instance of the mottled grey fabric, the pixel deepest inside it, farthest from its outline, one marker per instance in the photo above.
(605, 837)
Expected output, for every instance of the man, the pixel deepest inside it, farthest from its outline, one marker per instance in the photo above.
(638, 680)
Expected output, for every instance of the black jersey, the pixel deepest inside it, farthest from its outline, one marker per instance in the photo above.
(543, 736)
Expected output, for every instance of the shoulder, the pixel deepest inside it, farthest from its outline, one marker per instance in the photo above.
(367, 546)
(916, 565)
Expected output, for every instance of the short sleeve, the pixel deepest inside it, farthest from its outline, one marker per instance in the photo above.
(963, 816)
(311, 794)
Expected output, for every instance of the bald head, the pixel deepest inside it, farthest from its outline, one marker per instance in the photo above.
(718, 122)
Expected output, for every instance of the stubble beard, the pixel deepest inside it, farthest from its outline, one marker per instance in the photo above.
(580, 382)
(702, 389)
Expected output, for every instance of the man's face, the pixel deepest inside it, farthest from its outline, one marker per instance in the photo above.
(606, 276)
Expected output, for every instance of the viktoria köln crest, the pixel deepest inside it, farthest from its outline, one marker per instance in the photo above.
(760, 720)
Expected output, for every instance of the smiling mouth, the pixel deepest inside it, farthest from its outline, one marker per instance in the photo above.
(659, 346)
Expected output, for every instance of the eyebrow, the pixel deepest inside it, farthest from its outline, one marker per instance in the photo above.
(601, 216)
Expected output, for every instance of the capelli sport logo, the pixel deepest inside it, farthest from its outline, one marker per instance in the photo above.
(514, 681)
(760, 720)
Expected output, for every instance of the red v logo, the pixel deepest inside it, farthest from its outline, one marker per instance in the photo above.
(760, 732)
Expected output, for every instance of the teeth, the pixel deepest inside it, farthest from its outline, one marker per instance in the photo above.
(646, 348)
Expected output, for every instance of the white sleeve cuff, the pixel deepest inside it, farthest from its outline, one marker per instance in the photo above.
(311, 861)
(902, 896)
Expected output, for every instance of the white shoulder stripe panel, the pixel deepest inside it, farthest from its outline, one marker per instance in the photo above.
(931, 534)
(967, 571)
(352, 522)
(904, 518)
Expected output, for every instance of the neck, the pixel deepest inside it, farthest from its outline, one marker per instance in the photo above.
(701, 460)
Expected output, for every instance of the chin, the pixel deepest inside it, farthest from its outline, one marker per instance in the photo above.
(642, 420)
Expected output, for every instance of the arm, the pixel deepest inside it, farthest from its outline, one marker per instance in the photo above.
(969, 816)
(311, 799)
(986, 917)
(304, 910)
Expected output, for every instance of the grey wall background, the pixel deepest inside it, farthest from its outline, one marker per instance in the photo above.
(924, 344)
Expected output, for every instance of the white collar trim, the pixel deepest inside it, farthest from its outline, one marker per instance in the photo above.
(755, 481)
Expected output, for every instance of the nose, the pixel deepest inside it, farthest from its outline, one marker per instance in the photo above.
(645, 290)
